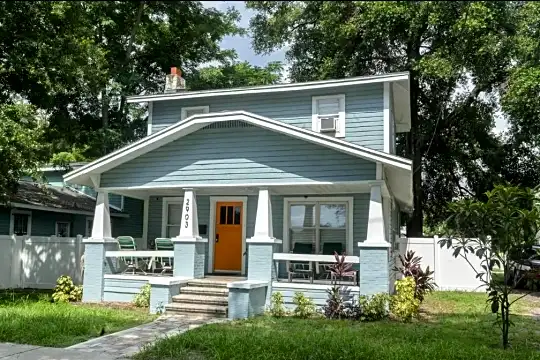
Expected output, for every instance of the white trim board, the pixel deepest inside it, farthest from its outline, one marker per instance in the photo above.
(323, 84)
(84, 174)
(212, 228)
(349, 200)
(149, 123)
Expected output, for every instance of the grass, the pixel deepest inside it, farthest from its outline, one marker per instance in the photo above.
(454, 325)
(30, 318)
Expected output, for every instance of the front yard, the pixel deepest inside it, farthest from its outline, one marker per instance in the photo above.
(453, 326)
(30, 318)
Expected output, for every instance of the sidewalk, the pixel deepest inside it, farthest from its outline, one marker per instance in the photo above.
(120, 345)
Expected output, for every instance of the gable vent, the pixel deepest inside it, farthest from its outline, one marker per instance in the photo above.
(228, 125)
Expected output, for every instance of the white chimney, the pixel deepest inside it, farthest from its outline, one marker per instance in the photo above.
(174, 82)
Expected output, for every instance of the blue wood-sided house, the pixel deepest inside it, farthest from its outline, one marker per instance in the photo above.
(54, 208)
(241, 178)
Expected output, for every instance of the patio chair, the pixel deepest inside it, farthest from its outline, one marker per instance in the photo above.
(165, 262)
(329, 248)
(127, 243)
(302, 268)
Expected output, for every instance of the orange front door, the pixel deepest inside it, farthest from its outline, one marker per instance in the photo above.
(228, 243)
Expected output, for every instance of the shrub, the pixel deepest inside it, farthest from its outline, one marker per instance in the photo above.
(335, 304)
(66, 291)
(305, 308)
(423, 279)
(403, 304)
(277, 309)
(373, 308)
(142, 299)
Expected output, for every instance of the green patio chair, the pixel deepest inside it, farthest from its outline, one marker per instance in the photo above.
(301, 268)
(126, 243)
(329, 248)
(165, 262)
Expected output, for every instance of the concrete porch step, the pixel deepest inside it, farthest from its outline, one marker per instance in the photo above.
(199, 309)
(207, 283)
(206, 291)
(200, 299)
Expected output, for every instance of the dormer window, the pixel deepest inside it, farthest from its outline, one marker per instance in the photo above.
(329, 115)
(190, 111)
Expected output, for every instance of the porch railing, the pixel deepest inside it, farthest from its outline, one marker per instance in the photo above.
(143, 261)
(314, 268)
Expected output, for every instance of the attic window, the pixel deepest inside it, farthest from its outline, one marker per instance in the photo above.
(194, 110)
(328, 115)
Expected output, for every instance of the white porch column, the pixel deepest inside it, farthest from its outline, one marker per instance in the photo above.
(262, 245)
(263, 221)
(189, 247)
(189, 228)
(101, 228)
(374, 274)
(95, 261)
(375, 226)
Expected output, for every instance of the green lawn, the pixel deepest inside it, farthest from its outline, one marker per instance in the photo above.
(30, 318)
(453, 326)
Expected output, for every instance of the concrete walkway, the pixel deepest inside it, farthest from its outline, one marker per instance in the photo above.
(120, 345)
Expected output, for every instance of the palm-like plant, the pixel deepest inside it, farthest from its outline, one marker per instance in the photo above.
(410, 266)
(341, 269)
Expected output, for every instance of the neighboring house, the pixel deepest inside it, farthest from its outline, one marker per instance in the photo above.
(54, 208)
(225, 171)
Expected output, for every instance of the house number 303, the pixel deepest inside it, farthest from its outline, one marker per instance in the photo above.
(186, 216)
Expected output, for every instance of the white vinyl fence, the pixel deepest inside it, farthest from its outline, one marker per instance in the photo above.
(37, 261)
(450, 273)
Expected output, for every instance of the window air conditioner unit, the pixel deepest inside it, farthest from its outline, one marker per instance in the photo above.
(328, 123)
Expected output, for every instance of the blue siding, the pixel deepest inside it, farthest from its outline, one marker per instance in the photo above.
(44, 222)
(238, 155)
(54, 177)
(318, 295)
(121, 290)
(133, 225)
(360, 217)
(363, 107)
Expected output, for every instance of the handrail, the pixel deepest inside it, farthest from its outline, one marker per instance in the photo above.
(314, 257)
(140, 253)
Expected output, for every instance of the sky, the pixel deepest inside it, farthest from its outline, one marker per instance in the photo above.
(245, 52)
(242, 45)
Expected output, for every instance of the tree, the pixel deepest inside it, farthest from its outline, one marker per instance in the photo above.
(234, 74)
(77, 60)
(21, 146)
(499, 232)
(521, 103)
(457, 53)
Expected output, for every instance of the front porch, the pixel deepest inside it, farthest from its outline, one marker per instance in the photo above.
(230, 239)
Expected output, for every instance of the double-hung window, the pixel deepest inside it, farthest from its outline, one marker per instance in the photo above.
(62, 228)
(324, 224)
(171, 217)
(328, 115)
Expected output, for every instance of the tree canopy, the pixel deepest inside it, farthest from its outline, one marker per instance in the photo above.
(459, 54)
(76, 61)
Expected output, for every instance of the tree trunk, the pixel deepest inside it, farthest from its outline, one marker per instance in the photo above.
(104, 117)
(128, 52)
(505, 310)
(416, 222)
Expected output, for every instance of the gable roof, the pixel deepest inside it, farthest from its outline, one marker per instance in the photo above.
(31, 195)
(196, 122)
(401, 77)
